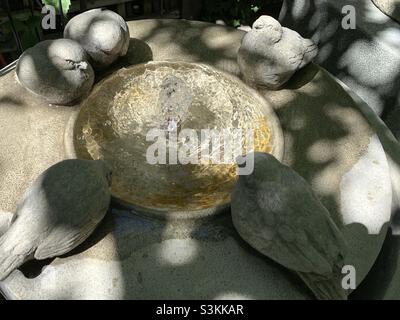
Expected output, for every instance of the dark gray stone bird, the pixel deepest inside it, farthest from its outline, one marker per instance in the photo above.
(57, 213)
(277, 213)
(58, 70)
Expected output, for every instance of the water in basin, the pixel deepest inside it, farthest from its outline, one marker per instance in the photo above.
(115, 119)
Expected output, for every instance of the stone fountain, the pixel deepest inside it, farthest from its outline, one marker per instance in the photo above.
(114, 121)
(173, 238)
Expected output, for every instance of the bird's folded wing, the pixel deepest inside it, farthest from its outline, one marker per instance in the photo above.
(306, 238)
(63, 239)
(297, 256)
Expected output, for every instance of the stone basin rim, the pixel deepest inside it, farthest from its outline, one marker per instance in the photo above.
(166, 214)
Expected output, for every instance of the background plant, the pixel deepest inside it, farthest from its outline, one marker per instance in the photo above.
(55, 3)
(26, 28)
(238, 12)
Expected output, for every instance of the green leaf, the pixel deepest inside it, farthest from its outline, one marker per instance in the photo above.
(28, 38)
(236, 23)
(33, 21)
(254, 8)
(18, 24)
(25, 29)
(64, 3)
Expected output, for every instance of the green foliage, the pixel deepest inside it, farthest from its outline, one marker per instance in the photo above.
(234, 12)
(25, 28)
(29, 37)
(64, 3)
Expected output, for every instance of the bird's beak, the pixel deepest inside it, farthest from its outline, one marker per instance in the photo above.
(82, 65)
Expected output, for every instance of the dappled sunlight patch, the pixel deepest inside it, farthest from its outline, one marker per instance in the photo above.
(178, 252)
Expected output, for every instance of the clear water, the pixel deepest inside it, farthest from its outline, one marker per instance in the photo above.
(115, 119)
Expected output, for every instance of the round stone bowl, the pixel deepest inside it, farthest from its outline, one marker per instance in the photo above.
(114, 122)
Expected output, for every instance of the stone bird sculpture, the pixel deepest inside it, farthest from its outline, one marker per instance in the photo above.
(58, 212)
(58, 70)
(270, 54)
(102, 33)
(276, 212)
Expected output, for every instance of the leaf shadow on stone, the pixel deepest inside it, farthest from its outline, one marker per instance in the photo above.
(390, 8)
(381, 281)
(209, 274)
(139, 52)
(193, 44)
(12, 101)
(338, 47)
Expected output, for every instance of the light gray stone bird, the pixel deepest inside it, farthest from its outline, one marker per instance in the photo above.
(102, 33)
(58, 212)
(270, 54)
(58, 70)
(276, 212)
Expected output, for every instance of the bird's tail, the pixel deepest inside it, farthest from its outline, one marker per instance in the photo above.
(8, 263)
(6, 219)
(10, 258)
(311, 51)
(325, 289)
